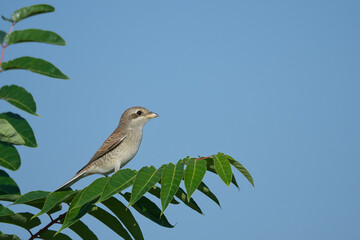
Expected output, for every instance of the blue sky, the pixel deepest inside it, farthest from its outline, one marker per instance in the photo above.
(275, 84)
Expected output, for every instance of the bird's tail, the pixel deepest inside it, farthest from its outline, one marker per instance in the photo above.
(73, 180)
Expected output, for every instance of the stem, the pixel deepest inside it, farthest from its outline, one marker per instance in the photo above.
(12, 26)
(201, 158)
(56, 220)
(30, 232)
(2, 54)
(5, 45)
(51, 219)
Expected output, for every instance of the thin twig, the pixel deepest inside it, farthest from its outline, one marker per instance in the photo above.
(51, 219)
(2, 54)
(56, 220)
(30, 232)
(5, 45)
(201, 158)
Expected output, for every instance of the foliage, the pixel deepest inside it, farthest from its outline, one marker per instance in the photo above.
(163, 183)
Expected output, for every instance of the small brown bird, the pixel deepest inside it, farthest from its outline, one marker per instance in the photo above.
(119, 148)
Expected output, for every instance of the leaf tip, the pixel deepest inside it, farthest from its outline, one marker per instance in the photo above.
(6, 19)
(58, 231)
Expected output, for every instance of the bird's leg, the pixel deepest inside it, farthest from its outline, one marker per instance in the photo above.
(117, 167)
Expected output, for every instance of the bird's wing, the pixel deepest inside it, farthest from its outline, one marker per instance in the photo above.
(110, 143)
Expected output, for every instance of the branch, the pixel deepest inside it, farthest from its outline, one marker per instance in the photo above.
(56, 220)
(201, 158)
(30, 232)
(5, 45)
(204, 157)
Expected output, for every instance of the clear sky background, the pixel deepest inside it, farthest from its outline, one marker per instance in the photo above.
(275, 84)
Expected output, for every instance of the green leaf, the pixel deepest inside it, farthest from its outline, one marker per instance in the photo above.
(26, 12)
(241, 168)
(210, 165)
(223, 168)
(90, 193)
(9, 134)
(205, 190)
(36, 199)
(180, 194)
(21, 219)
(40, 203)
(5, 211)
(38, 196)
(233, 180)
(211, 168)
(7, 184)
(144, 180)
(35, 65)
(37, 203)
(9, 156)
(2, 36)
(82, 231)
(81, 204)
(110, 221)
(156, 191)
(54, 199)
(7, 19)
(119, 181)
(194, 173)
(74, 214)
(8, 237)
(170, 182)
(18, 97)
(149, 210)
(9, 197)
(22, 127)
(50, 235)
(34, 35)
(125, 216)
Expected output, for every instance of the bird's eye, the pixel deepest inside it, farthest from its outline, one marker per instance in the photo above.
(139, 113)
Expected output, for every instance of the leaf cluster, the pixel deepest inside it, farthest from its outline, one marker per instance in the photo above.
(162, 183)
(14, 129)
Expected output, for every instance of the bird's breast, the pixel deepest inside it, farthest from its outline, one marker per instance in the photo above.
(119, 156)
(127, 149)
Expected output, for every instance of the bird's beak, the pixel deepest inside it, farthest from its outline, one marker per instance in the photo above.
(151, 115)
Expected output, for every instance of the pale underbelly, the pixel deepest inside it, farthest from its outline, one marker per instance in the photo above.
(107, 164)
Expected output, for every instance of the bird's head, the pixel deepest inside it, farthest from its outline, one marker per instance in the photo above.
(135, 117)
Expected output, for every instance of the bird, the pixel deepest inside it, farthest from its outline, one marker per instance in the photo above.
(119, 148)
